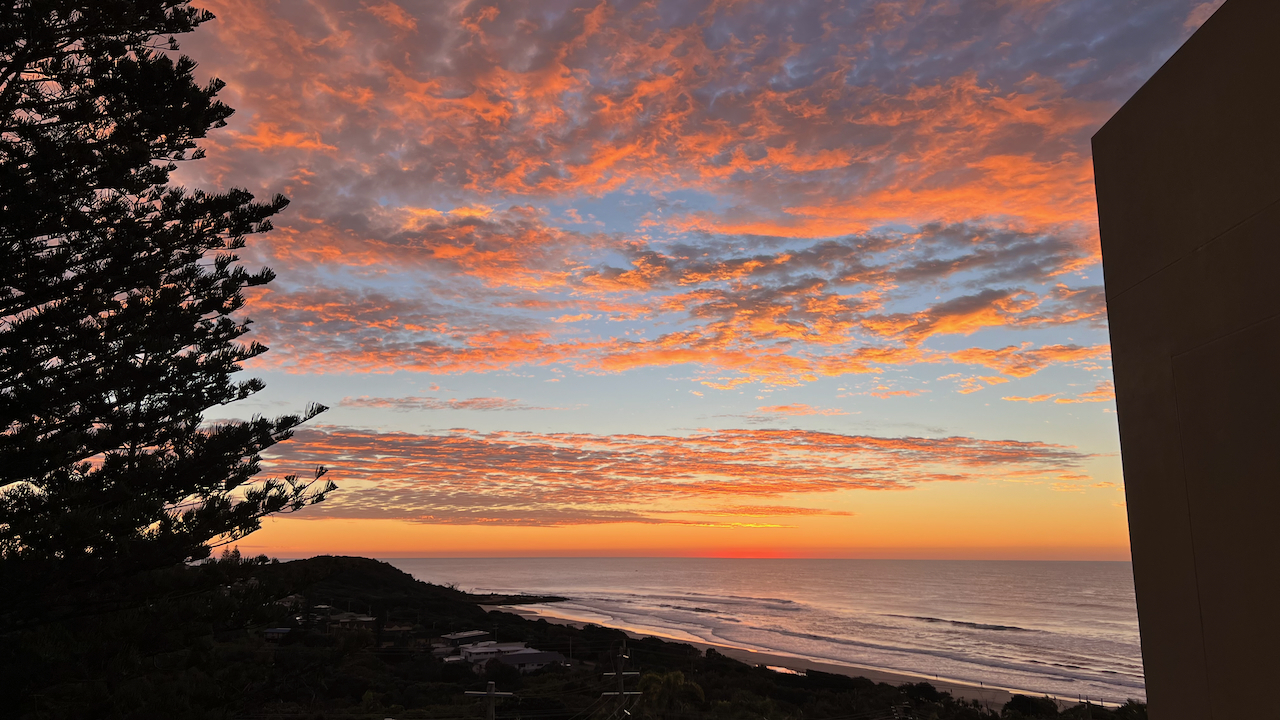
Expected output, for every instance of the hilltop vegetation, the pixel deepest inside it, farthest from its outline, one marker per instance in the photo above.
(189, 642)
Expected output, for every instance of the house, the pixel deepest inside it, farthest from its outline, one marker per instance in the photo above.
(397, 636)
(465, 637)
(528, 660)
(483, 652)
(293, 602)
(350, 621)
(516, 654)
(275, 635)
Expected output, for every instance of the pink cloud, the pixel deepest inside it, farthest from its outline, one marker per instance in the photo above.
(462, 476)
(428, 403)
(800, 409)
(1032, 399)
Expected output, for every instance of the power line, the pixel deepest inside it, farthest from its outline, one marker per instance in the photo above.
(491, 695)
(620, 663)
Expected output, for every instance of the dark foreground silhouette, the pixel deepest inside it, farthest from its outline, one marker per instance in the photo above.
(341, 637)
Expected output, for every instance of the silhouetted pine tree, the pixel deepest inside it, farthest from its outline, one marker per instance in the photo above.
(116, 297)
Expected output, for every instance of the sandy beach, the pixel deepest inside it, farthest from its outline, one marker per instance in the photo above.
(995, 698)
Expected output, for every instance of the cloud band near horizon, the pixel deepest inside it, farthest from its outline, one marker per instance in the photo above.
(467, 477)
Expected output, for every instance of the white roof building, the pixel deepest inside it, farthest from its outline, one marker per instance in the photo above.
(529, 659)
(461, 638)
(487, 650)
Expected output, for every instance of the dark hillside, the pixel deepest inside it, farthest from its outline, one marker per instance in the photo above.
(346, 637)
(364, 583)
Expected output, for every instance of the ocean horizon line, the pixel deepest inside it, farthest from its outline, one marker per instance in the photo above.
(387, 557)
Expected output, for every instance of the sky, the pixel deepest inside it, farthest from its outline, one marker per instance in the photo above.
(723, 278)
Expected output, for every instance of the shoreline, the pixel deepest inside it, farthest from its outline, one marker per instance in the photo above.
(993, 697)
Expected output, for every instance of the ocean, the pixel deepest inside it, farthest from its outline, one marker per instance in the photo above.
(1066, 629)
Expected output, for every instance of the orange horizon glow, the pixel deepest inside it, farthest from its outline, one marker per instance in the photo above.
(387, 539)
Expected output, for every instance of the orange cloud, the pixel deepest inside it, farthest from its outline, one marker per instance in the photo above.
(969, 385)
(1032, 399)
(1200, 13)
(340, 331)
(884, 393)
(465, 477)
(763, 511)
(960, 316)
(799, 409)
(730, 341)
(434, 151)
(947, 143)
(268, 136)
(394, 16)
(573, 318)
(1104, 392)
(511, 248)
(1024, 360)
(515, 103)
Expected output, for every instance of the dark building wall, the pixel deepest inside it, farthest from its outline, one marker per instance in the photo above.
(1188, 183)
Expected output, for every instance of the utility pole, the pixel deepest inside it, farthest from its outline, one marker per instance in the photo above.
(619, 663)
(491, 695)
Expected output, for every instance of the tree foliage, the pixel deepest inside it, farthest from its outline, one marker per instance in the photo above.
(668, 695)
(119, 295)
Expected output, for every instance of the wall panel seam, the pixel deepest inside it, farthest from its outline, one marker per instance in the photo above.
(1193, 250)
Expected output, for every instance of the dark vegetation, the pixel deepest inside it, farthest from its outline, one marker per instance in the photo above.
(119, 295)
(196, 649)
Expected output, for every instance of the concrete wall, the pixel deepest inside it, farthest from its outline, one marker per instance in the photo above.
(1188, 182)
